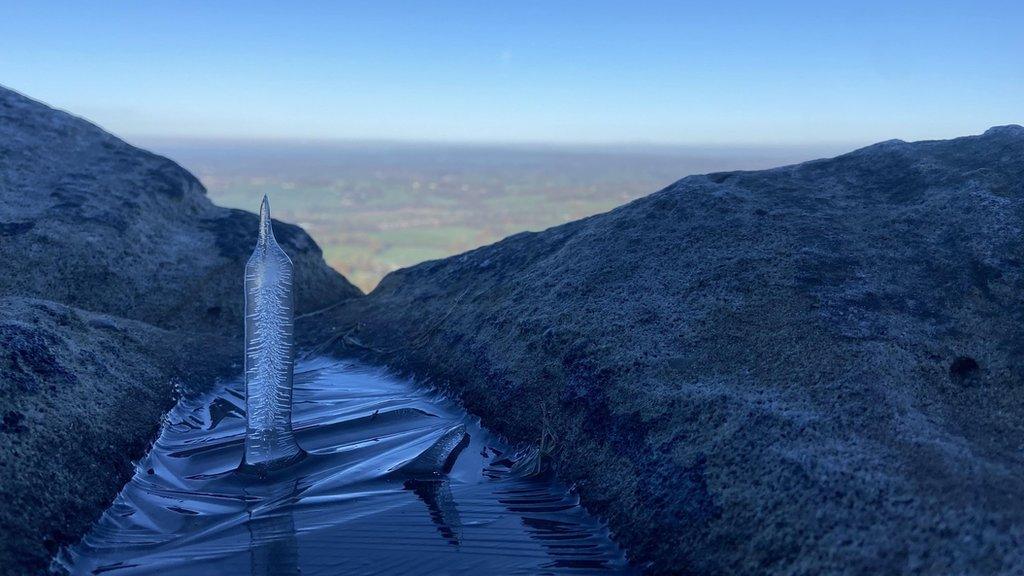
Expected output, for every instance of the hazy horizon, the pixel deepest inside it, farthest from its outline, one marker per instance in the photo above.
(376, 207)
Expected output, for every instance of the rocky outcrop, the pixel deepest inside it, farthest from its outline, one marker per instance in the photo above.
(812, 369)
(121, 288)
(82, 396)
(92, 222)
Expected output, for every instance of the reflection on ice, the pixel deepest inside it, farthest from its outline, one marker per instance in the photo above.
(273, 547)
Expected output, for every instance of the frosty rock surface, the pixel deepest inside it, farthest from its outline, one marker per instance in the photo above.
(815, 369)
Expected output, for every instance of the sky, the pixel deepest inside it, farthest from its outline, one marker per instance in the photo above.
(692, 73)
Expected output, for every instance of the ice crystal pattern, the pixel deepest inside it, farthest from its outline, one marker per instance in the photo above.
(269, 350)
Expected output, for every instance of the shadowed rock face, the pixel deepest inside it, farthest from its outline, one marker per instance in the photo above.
(121, 288)
(812, 369)
(81, 396)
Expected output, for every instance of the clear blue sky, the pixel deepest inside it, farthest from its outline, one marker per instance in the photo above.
(715, 72)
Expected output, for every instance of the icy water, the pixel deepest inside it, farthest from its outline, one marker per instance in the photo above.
(372, 496)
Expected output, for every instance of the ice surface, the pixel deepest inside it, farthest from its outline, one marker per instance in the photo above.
(353, 505)
(269, 351)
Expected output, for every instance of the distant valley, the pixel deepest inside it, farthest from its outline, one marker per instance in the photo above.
(377, 207)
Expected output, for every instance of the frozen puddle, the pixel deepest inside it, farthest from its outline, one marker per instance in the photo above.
(364, 501)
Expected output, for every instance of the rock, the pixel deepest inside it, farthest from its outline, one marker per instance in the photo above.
(121, 289)
(92, 222)
(813, 369)
(12, 422)
(80, 404)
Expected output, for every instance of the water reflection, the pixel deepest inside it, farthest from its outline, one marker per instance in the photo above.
(437, 495)
(273, 546)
